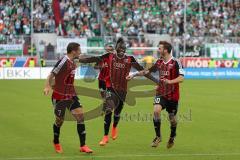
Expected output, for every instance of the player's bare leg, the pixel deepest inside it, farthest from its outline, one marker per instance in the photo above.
(173, 123)
(56, 131)
(157, 124)
(78, 115)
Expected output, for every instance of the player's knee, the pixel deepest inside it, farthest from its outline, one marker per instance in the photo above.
(108, 118)
(173, 120)
(108, 110)
(174, 123)
(157, 109)
(102, 92)
(59, 121)
(156, 114)
(117, 115)
(117, 112)
(79, 118)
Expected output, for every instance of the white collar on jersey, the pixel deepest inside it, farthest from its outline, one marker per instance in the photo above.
(168, 60)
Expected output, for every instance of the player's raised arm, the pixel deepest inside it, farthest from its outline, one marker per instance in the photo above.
(89, 59)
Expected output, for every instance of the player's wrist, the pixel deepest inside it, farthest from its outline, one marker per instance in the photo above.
(134, 74)
(170, 82)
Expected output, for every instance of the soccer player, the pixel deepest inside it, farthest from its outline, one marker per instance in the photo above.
(64, 96)
(167, 94)
(116, 83)
(104, 70)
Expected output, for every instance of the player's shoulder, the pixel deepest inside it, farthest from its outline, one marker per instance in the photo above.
(106, 55)
(131, 58)
(62, 60)
(61, 63)
(159, 61)
(177, 61)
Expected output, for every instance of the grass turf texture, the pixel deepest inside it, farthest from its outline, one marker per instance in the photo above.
(212, 131)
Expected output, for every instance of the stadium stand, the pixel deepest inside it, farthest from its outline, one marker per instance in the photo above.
(214, 21)
(79, 19)
(205, 18)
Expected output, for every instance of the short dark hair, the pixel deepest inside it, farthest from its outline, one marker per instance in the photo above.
(119, 41)
(73, 46)
(166, 46)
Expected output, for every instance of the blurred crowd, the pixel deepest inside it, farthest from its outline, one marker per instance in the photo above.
(123, 17)
(216, 19)
(15, 16)
(204, 17)
(78, 18)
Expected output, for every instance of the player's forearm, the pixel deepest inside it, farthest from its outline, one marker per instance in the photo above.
(149, 76)
(140, 73)
(49, 80)
(89, 59)
(179, 79)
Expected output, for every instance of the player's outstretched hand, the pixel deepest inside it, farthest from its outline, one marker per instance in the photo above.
(129, 77)
(46, 90)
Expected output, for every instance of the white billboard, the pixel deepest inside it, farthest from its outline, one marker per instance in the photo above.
(63, 42)
(28, 73)
(224, 50)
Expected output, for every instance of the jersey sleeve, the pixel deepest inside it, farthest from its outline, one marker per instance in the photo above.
(104, 56)
(179, 68)
(59, 66)
(135, 64)
(154, 67)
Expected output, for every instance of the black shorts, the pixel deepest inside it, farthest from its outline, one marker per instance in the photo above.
(61, 105)
(101, 85)
(112, 100)
(171, 106)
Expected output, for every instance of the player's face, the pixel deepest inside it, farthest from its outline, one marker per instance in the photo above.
(109, 49)
(77, 53)
(161, 50)
(121, 49)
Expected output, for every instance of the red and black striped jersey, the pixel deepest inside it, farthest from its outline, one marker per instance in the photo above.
(104, 69)
(168, 70)
(119, 68)
(64, 72)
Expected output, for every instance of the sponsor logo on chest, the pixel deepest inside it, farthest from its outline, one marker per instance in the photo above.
(164, 73)
(170, 66)
(118, 65)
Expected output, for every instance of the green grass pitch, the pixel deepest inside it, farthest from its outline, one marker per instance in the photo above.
(208, 128)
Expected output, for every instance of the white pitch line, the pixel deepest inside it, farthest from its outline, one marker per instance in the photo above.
(126, 155)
